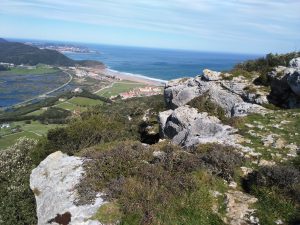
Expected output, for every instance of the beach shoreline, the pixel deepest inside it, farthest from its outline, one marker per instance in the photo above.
(132, 77)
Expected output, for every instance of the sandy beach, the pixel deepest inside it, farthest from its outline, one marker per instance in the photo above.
(132, 77)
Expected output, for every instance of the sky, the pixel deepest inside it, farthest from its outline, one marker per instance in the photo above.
(244, 26)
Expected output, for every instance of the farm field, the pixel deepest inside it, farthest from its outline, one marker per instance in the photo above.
(119, 87)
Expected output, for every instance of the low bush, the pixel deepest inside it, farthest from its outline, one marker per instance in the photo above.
(17, 203)
(150, 190)
(203, 104)
(220, 160)
(285, 178)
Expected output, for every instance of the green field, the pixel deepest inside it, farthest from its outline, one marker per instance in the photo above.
(40, 69)
(33, 130)
(118, 88)
(85, 102)
(9, 140)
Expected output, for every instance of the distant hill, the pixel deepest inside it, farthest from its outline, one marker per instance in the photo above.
(3, 40)
(19, 53)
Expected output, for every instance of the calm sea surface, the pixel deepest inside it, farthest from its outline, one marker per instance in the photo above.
(158, 63)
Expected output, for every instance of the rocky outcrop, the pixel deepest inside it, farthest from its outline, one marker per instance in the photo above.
(295, 63)
(239, 208)
(285, 85)
(54, 184)
(186, 127)
(210, 75)
(244, 108)
(293, 81)
(225, 94)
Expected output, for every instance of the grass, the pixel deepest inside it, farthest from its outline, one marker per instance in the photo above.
(9, 140)
(40, 69)
(118, 88)
(36, 112)
(34, 130)
(84, 102)
(283, 123)
(109, 213)
(272, 207)
(69, 106)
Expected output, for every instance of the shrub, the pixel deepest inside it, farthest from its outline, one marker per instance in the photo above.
(220, 160)
(285, 178)
(145, 188)
(17, 203)
(203, 104)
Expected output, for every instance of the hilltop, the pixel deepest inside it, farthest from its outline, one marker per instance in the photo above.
(19, 53)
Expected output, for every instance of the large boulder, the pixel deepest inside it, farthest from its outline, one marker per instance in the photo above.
(186, 127)
(295, 63)
(178, 93)
(293, 80)
(285, 85)
(54, 184)
(210, 75)
(244, 108)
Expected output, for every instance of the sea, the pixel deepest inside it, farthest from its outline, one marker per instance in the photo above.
(161, 64)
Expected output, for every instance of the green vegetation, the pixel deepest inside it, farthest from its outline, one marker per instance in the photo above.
(173, 189)
(118, 88)
(203, 104)
(278, 191)
(264, 65)
(17, 205)
(18, 53)
(84, 102)
(70, 107)
(34, 130)
(11, 139)
(283, 125)
(39, 69)
(108, 213)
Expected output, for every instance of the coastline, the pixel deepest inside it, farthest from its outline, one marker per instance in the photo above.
(133, 77)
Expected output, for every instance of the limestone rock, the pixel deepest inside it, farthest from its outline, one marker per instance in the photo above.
(178, 92)
(285, 85)
(293, 80)
(224, 94)
(162, 118)
(238, 211)
(186, 127)
(244, 108)
(210, 75)
(295, 63)
(53, 183)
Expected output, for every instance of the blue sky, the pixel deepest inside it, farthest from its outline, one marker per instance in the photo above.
(248, 26)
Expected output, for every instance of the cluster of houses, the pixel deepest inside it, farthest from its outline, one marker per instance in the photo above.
(140, 92)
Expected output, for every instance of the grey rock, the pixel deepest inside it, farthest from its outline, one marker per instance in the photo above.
(244, 108)
(210, 75)
(293, 80)
(54, 184)
(186, 127)
(162, 118)
(238, 210)
(224, 94)
(295, 63)
(178, 92)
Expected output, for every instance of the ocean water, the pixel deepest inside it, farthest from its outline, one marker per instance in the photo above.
(160, 63)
